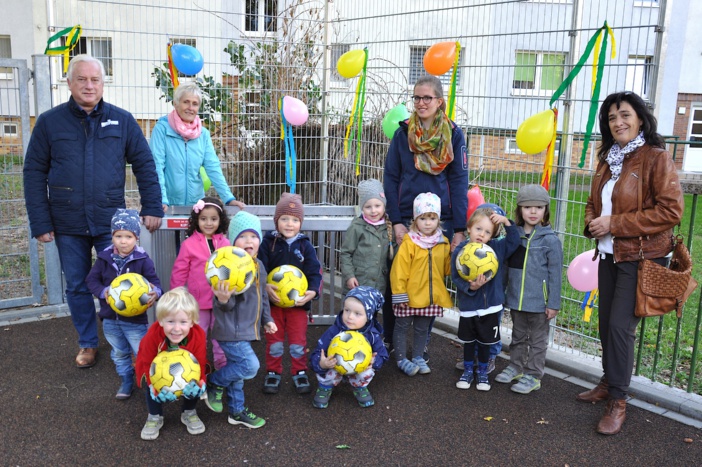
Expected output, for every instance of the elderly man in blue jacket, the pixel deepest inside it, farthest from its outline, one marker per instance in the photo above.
(74, 177)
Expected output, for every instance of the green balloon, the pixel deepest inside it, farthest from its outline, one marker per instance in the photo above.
(392, 119)
(206, 182)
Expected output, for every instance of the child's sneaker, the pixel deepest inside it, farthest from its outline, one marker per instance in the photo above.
(491, 365)
(302, 383)
(508, 375)
(214, 398)
(483, 384)
(526, 384)
(422, 364)
(246, 418)
(460, 365)
(409, 368)
(363, 396)
(321, 397)
(271, 384)
(152, 427)
(192, 422)
(481, 379)
(466, 379)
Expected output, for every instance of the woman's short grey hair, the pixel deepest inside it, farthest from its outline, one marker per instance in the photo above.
(83, 58)
(187, 89)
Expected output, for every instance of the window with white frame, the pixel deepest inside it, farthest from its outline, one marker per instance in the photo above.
(537, 73)
(5, 52)
(261, 16)
(638, 75)
(512, 148)
(337, 50)
(97, 47)
(416, 68)
(8, 129)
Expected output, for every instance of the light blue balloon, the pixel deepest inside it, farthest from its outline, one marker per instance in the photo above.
(186, 59)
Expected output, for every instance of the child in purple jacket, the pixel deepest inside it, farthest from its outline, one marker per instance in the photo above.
(124, 255)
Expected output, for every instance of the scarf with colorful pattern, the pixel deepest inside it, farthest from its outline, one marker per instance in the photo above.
(432, 147)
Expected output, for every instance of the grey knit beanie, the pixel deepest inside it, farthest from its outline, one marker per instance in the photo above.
(370, 189)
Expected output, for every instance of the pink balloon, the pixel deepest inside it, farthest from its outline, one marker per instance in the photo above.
(582, 272)
(295, 111)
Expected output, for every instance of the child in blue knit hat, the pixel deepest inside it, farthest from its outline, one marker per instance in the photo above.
(238, 321)
(360, 306)
(124, 255)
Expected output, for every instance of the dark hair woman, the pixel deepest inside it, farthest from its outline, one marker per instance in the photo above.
(632, 159)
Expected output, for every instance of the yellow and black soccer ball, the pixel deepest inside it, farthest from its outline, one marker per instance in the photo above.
(352, 351)
(231, 264)
(128, 294)
(173, 370)
(291, 283)
(475, 259)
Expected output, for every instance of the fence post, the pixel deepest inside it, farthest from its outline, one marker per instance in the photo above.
(42, 102)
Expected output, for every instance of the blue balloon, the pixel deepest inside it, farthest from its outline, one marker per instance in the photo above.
(186, 59)
(494, 207)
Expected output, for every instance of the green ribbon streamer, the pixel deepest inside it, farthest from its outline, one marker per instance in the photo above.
(452, 91)
(595, 97)
(359, 111)
(63, 48)
(596, 90)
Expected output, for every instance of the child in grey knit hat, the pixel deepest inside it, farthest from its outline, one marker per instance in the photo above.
(368, 245)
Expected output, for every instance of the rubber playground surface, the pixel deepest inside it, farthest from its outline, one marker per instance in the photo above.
(56, 414)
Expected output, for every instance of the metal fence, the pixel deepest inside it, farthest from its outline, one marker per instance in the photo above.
(513, 54)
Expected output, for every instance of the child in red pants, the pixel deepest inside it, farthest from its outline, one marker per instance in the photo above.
(288, 246)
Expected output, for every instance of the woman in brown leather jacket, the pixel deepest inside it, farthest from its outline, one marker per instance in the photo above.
(633, 162)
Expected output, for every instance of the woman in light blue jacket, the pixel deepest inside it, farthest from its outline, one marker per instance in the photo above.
(181, 146)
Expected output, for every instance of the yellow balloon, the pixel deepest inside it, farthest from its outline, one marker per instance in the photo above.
(351, 63)
(535, 133)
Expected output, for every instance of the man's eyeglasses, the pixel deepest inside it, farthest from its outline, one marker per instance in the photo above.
(425, 99)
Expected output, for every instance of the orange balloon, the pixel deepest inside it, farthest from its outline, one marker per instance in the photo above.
(438, 59)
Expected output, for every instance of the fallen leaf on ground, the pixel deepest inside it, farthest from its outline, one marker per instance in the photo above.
(688, 440)
(343, 446)
(542, 422)
(487, 419)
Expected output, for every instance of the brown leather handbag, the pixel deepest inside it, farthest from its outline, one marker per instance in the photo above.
(661, 289)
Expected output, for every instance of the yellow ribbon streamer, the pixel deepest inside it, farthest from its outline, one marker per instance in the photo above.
(353, 113)
(73, 34)
(550, 154)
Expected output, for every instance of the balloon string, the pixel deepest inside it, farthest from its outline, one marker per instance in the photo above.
(71, 42)
(171, 68)
(350, 124)
(550, 154)
(452, 88)
(290, 155)
(361, 105)
(282, 119)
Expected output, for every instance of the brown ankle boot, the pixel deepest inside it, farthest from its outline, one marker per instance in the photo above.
(596, 394)
(613, 418)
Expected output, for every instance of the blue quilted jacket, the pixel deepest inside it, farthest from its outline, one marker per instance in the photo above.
(75, 169)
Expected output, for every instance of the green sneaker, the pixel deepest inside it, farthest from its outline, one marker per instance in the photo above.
(246, 418)
(214, 398)
(526, 384)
